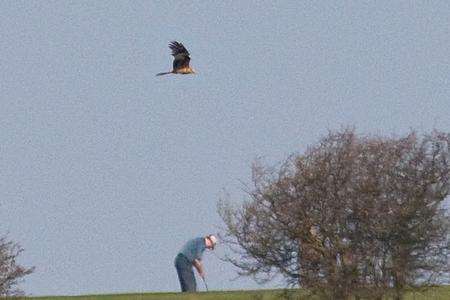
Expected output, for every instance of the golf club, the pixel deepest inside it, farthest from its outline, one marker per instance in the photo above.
(204, 281)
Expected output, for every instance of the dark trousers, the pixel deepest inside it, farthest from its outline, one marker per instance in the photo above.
(185, 274)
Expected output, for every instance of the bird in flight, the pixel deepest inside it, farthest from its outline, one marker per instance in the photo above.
(180, 61)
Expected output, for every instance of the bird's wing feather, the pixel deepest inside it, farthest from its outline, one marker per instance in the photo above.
(178, 48)
(181, 55)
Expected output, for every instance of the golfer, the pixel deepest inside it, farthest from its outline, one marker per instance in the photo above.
(189, 256)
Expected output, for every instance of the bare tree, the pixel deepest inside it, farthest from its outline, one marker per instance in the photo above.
(352, 215)
(10, 271)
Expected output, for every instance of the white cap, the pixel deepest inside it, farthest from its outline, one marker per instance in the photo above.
(213, 240)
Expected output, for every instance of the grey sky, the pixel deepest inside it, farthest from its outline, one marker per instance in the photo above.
(106, 170)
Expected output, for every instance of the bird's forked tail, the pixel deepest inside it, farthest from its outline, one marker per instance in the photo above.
(163, 73)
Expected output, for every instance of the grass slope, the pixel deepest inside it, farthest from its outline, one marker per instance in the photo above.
(439, 293)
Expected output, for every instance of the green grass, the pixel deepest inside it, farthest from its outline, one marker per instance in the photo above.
(438, 293)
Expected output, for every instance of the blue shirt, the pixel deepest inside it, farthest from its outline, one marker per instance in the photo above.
(193, 249)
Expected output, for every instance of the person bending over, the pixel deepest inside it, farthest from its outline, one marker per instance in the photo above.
(191, 256)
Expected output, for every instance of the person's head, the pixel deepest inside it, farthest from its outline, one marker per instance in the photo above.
(210, 241)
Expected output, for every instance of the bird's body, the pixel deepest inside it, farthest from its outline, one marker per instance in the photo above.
(181, 60)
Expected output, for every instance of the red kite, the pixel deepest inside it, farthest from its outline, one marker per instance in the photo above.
(180, 61)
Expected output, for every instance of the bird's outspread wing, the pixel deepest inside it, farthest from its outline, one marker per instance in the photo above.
(180, 54)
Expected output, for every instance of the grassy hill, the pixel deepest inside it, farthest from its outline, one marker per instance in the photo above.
(439, 293)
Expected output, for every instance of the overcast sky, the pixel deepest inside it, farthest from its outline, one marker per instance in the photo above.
(106, 170)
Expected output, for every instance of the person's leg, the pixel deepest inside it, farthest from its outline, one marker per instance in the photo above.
(189, 279)
(185, 274)
(181, 278)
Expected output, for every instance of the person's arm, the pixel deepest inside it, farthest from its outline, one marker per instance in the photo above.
(199, 266)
